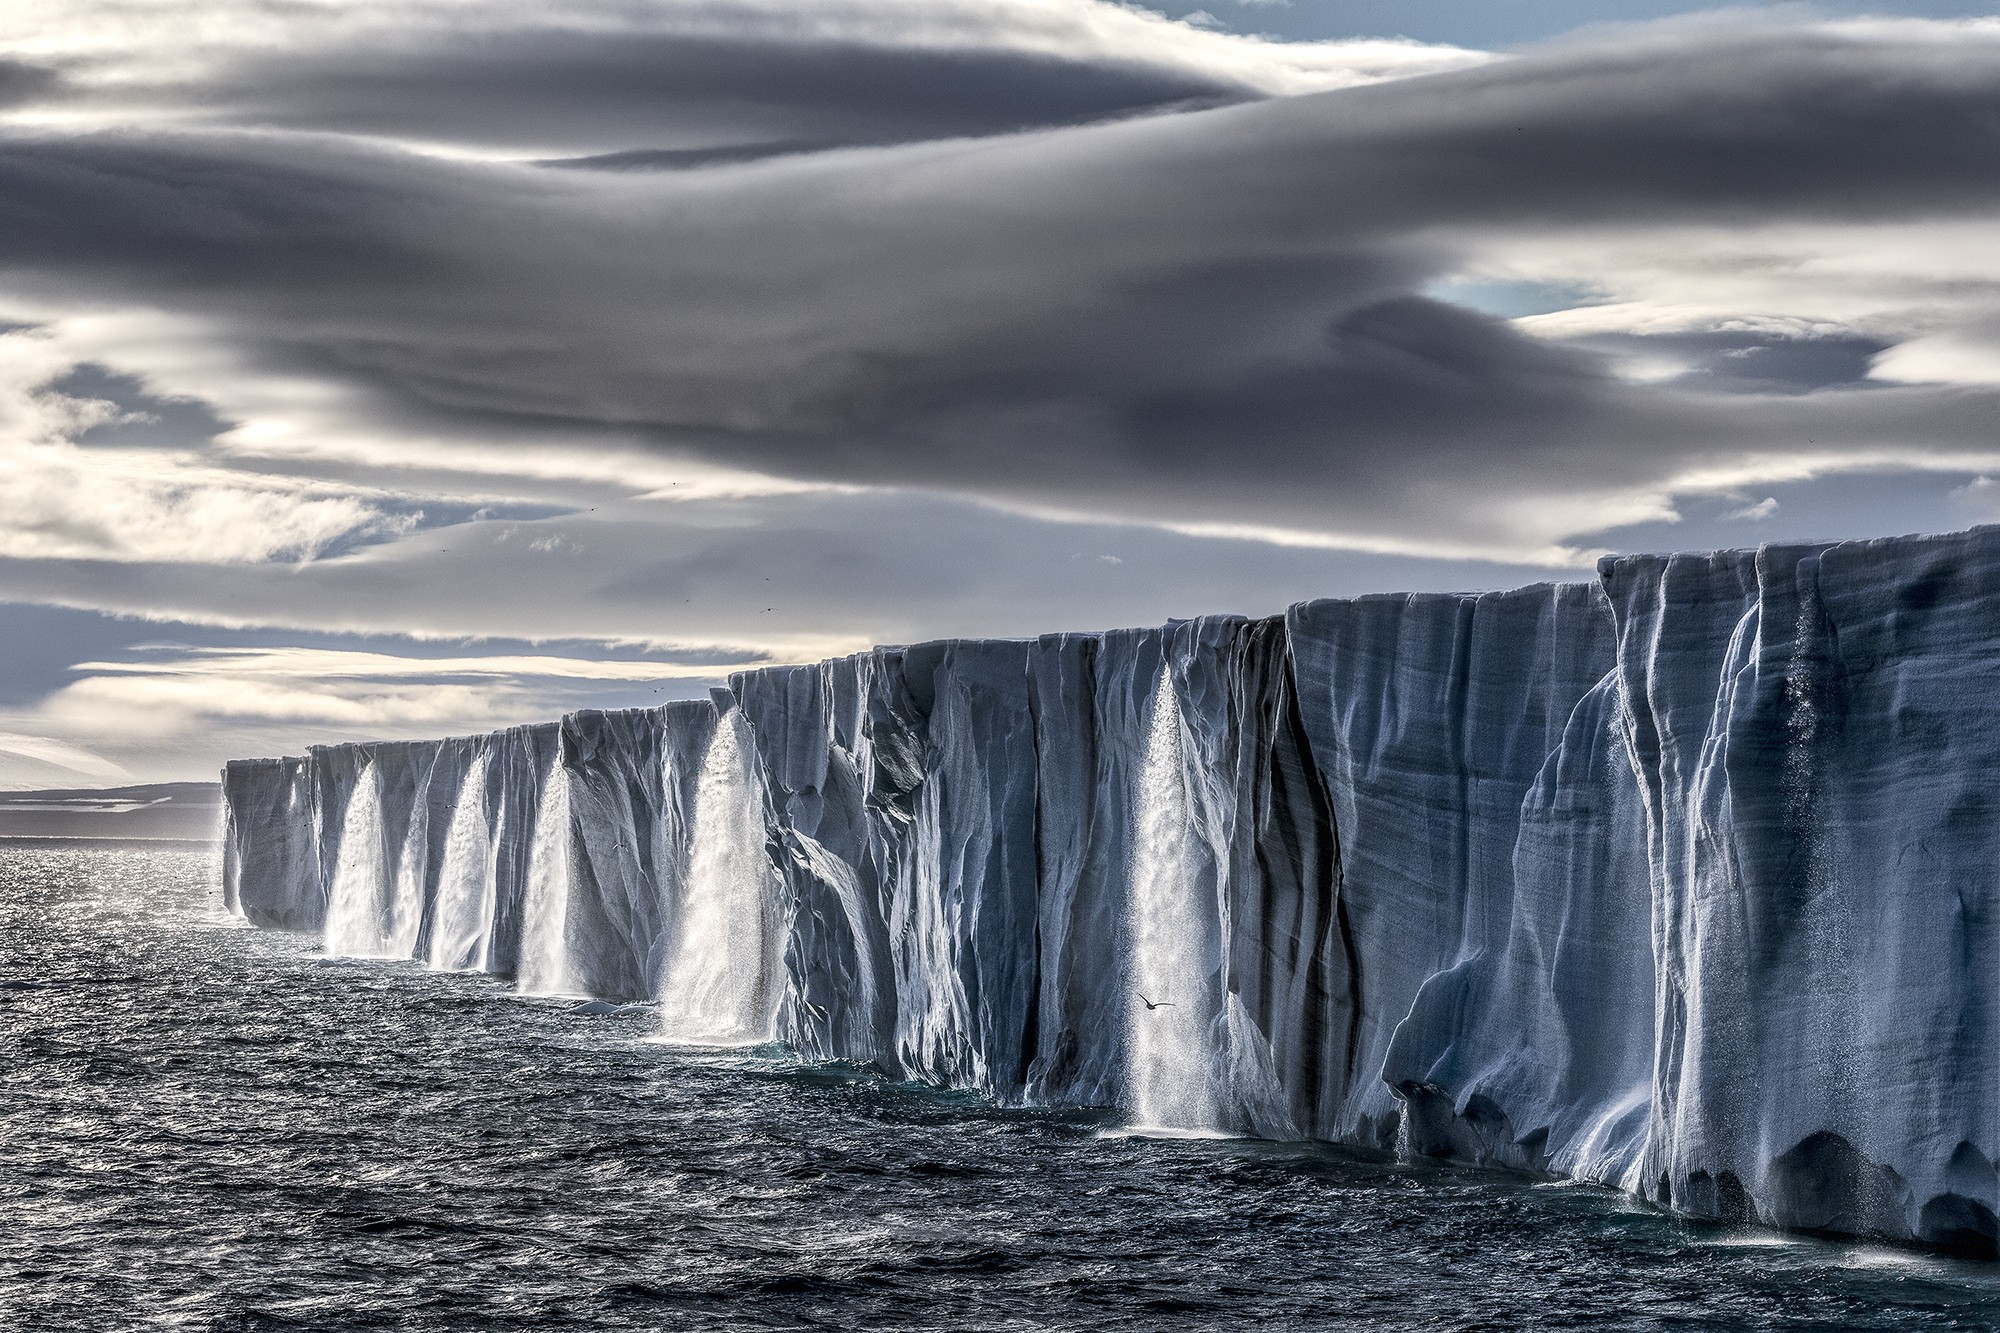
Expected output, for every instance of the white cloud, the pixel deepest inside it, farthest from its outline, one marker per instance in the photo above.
(43, 760)
(1966, 356)
(340, 664)
(1762, 509)
(1931, 287)
(255, 699)
(58, 502)
(126, 708)
(63, 502)
(1980, 498)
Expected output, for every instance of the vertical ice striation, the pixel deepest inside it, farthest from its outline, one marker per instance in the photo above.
(1687, 881)
(1170, 1010)
(1814, 729)
(270, 854)
(721, 982)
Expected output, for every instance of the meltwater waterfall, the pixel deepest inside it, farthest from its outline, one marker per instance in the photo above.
(462, 926)
(1686, 881)
(1170, 1010)
(543, 967)
(360, 905)
(720, 986)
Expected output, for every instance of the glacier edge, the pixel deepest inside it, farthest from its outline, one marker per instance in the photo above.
(1686, 881)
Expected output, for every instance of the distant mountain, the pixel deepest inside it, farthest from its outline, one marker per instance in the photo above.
(155, 810)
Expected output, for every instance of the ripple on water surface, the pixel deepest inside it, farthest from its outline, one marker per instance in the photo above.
(209, 1127)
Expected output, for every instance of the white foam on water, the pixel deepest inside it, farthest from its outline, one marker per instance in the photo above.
(1164, 1132)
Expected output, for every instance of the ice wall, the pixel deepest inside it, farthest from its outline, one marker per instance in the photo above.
(269, 842)
(554, 853)
(1682, 882)
(1817, 729)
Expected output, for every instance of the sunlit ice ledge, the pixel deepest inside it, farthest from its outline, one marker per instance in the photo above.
(1685, 882)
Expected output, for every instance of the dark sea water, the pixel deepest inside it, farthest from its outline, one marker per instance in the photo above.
(204, 1126)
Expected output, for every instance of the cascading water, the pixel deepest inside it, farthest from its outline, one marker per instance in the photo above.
(719, 988)
(355, 913)
(543, 968)
(404, 922)
(1170, 1081)
(461, 931)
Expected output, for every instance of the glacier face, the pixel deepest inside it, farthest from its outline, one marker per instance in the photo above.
(1682, 882)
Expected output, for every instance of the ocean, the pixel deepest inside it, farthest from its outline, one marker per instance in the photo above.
(205, 1126)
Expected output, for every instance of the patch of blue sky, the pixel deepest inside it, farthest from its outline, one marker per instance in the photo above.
(1508, 299)
(1497, 24)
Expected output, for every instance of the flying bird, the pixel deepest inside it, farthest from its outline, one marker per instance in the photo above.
(1152, 1004)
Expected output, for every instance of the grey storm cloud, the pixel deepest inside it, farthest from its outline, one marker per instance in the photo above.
(21, 82)
(1208, 315)
(535, 87)
(605, 77)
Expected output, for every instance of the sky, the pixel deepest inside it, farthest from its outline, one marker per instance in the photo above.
(384, 369)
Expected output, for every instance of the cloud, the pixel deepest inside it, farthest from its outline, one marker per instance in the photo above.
(1762, 509)
(603, 76)
(328, 664)
(61, 501)
(841, 571)
(373, 693)
(409, 638)
(392, 324)
(44, 759)
(1205, 318)
(149, 712)
(1980, 498)
(21, 82)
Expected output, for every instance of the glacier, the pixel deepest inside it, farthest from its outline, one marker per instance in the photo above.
(1685, 881)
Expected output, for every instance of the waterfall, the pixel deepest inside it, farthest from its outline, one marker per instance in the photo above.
(461, 932)
(543, 968)
(719, 987)
(1169, 1080)
(354, 908)
(404, 921)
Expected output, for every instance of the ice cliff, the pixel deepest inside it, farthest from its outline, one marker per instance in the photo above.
(1686, 882)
